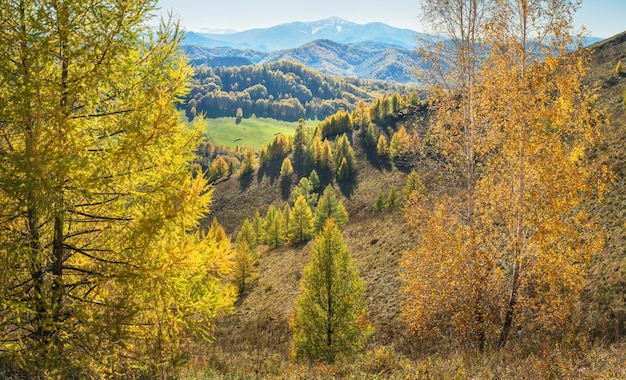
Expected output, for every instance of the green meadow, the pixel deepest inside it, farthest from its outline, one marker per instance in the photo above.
(252, 132)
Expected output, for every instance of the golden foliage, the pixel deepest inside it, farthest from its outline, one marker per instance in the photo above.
(511, 245)
(104, 270)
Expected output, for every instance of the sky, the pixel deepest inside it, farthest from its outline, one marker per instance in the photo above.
(602, 18)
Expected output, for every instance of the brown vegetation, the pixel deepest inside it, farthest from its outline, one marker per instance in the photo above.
(256, 339)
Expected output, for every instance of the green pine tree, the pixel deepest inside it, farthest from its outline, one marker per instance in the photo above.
(329, 207)
(305, 188)
(285, 221)
(273, 227)
(343, 158)
(379, 203)
(315, 180)
(300, 228)
(393, 200)
(247, 234)
(329, 319)
(257, 227)
(413, 185)
(370, 137)
(245, 272)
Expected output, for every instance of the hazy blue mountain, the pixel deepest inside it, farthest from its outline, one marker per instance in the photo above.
(292, 35)
(364, 60)
(333, 46)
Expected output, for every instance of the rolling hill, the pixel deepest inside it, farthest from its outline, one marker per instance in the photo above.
(283, 90)
(259, 327)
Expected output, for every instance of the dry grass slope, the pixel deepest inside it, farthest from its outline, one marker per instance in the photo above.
(606, 296)
(255, 340)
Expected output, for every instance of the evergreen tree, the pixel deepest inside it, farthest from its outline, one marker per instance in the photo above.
(257, 227)
(384, 107)
(286, 170)
(326, 155)
(376, 111)
(413, 185)
(285, 221)
(330, 207)
(315, 180)
(272, 227)
(370, 137)
(305, 188)
(300, 227)
(395, 102)
(379, 203)
(101, 271)
(344, 159)
(245, 272)
(393, 200)
(309, 155)
(299, 139)
(382, 149)
(247, 234)
(317, 147)
(329, 319)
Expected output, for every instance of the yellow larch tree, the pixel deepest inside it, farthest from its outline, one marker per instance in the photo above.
(104, 270)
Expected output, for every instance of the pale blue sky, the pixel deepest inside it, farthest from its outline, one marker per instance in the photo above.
(603, 18)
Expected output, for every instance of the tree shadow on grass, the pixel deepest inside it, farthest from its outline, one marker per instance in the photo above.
(245, 180)
(285, 187)
(271, 170)
(347, 186)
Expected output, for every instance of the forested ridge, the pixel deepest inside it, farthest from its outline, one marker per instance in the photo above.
(281, 90)
(369, 60)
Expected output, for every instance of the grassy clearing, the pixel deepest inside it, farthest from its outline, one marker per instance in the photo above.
(252, 132)
(385, 362)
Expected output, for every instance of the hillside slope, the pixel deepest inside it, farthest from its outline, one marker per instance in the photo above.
(375, 241)
(607, 290)
(260, 323)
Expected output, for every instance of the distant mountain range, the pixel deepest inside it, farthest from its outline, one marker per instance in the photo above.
(364, 60)
(295, 34)
(373, 51)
